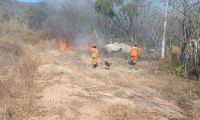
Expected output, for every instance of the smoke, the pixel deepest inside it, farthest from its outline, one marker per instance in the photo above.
(70, 20)
(76, 22)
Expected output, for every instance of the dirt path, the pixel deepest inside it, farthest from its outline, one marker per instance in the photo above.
(66, 88)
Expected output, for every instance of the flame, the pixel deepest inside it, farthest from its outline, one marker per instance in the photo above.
(64, 46)
(83, 47)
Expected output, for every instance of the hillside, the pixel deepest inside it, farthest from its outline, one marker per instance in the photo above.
(39, 81)
(67, 88)
(11, 9)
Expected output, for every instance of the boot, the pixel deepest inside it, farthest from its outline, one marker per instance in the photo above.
(132, 62)
(95, 66)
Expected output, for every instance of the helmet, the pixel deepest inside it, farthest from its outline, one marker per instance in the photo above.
(135, 44)
(94, 46)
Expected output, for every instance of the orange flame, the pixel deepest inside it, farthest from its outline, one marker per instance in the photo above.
(64, 46)
(83, 47)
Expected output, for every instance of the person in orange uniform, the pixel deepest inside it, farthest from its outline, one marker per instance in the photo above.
(134, 53)
(95, 55)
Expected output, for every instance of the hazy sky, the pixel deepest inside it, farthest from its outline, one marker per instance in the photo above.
(157, 3)
(30, 1)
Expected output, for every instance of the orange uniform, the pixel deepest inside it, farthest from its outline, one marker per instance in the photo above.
(94, 54)
(134, 53)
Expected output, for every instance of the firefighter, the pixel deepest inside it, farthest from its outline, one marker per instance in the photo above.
(94, 55)
(134, 52)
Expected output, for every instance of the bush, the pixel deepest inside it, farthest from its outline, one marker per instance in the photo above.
(35, 16)
(179, 69)
(17, 71)
(16, 81)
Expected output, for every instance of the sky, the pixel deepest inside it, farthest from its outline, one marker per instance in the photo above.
(29, 1)
(156, 2)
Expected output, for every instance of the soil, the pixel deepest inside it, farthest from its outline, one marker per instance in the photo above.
(67, 88)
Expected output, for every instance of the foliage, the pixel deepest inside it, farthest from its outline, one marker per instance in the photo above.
(129, 9)
(185, 18)
(120, 13)
(35, 16)
(104, 7)
(112, 19)
(179, 70)
(189, 90)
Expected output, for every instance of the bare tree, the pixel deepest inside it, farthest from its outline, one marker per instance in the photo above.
(187, 13)
(164, 31)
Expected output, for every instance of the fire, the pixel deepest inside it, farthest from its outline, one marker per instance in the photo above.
(64, 46)
(85, 48)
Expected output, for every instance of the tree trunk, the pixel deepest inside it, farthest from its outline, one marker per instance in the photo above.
(121, 28)
(164, 32)
(110, 32)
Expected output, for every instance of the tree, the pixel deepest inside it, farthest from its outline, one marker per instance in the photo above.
(118, 11)
(36, 15)
(164, 31)
(188, 15)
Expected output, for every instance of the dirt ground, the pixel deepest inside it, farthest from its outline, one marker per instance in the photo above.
(67, 88)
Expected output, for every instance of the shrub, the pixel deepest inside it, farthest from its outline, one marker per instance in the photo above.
(17, 70)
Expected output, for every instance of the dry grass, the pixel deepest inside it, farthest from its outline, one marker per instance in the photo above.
(119, 112)
(183, 93)
(61, 112)
(16, 73)
(125, 112)
(177, 89)
(16, 84)
(15, 32)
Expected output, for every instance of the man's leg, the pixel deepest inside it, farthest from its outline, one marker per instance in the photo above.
(95, 63)
(133, 58)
